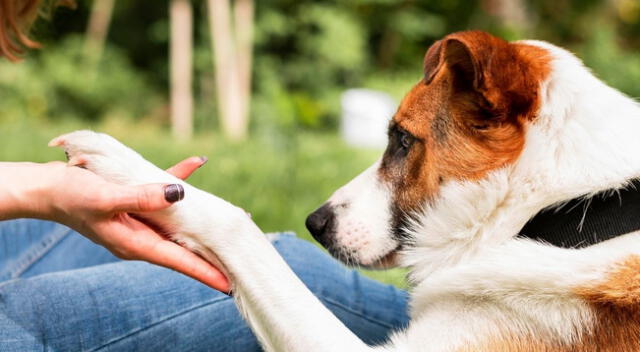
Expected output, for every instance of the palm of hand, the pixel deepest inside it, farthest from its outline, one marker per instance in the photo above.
(100, 210)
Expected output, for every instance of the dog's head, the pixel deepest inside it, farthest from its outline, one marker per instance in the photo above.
(466, 117)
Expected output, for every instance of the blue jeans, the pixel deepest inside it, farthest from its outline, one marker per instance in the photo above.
(61, 292)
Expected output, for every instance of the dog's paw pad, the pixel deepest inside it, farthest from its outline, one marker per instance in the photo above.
(77, 161)
(56, 142)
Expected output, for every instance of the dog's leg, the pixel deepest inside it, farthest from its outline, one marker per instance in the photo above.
(282, 312)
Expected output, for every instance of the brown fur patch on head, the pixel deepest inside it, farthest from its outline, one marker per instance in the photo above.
(465, 118)
(616, 306)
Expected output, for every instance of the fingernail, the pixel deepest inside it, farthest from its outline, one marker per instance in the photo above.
(173, 193)
(203, 160)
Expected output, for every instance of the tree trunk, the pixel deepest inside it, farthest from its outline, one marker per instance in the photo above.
(181, 47)
(243, 15)
(232, 65)
(97, 29)
(512, 13)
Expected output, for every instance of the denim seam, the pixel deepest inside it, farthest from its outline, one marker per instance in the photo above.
(37, 252)
(168, 318)
(349, 309)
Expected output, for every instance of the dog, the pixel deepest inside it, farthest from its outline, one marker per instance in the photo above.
(494, 137)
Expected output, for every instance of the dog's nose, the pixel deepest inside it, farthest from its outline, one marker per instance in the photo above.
(319, 223)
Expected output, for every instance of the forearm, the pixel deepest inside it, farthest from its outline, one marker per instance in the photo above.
(22, 190)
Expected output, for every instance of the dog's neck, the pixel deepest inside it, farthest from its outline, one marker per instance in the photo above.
(583, 141)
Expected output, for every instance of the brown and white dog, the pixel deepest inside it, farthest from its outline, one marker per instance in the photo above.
(493, 133)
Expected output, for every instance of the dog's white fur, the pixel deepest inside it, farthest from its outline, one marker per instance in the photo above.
(473, 279)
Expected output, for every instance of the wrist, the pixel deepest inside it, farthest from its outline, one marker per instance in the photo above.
(26, 190)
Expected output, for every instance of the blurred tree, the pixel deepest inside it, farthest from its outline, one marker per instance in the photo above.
(232, 51)
(243, 21)
(97, 30)
(181, 48)
(511, 13)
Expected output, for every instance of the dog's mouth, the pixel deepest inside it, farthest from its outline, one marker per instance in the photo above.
(386, 261)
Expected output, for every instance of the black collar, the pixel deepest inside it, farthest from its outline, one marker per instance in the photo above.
(584, 222)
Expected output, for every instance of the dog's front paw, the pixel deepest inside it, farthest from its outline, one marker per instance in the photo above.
(107, 157)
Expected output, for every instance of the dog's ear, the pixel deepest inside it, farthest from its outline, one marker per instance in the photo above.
(485, 66)
(469, 56)
(432, 61)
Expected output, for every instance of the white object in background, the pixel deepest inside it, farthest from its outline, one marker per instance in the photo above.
(365, 117)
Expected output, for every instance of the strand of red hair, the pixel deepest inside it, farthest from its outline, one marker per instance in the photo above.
(16, 17)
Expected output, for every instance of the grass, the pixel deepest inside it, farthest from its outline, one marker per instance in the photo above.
(278, 178)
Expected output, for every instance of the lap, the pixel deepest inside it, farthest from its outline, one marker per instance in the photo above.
(123, 306)
(137, 306)
(33, 247)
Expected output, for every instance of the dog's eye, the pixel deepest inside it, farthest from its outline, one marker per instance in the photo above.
(481, 127)
(405, 140)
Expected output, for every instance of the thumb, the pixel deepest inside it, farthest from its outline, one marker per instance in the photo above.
(132, 199)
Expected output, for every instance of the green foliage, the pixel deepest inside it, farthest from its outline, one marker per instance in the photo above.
(63, 84)
(609, 61)
(325, 46)
(333, 38)
(416, 25)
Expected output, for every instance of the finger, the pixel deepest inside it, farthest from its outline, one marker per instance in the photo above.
(173, 256)
(133, 199)
(144, 244)
(186, 167)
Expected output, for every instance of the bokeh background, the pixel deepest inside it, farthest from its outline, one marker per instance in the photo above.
(283, 64)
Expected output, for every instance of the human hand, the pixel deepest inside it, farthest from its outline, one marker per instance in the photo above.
(100, 210)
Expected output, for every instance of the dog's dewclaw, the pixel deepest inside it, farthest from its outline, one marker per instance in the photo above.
(56, 142)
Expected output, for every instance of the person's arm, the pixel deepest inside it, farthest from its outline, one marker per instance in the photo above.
(20, 186)
(99, 210)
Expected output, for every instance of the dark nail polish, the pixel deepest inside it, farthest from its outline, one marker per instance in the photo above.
(204, 160)
(173, 193)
